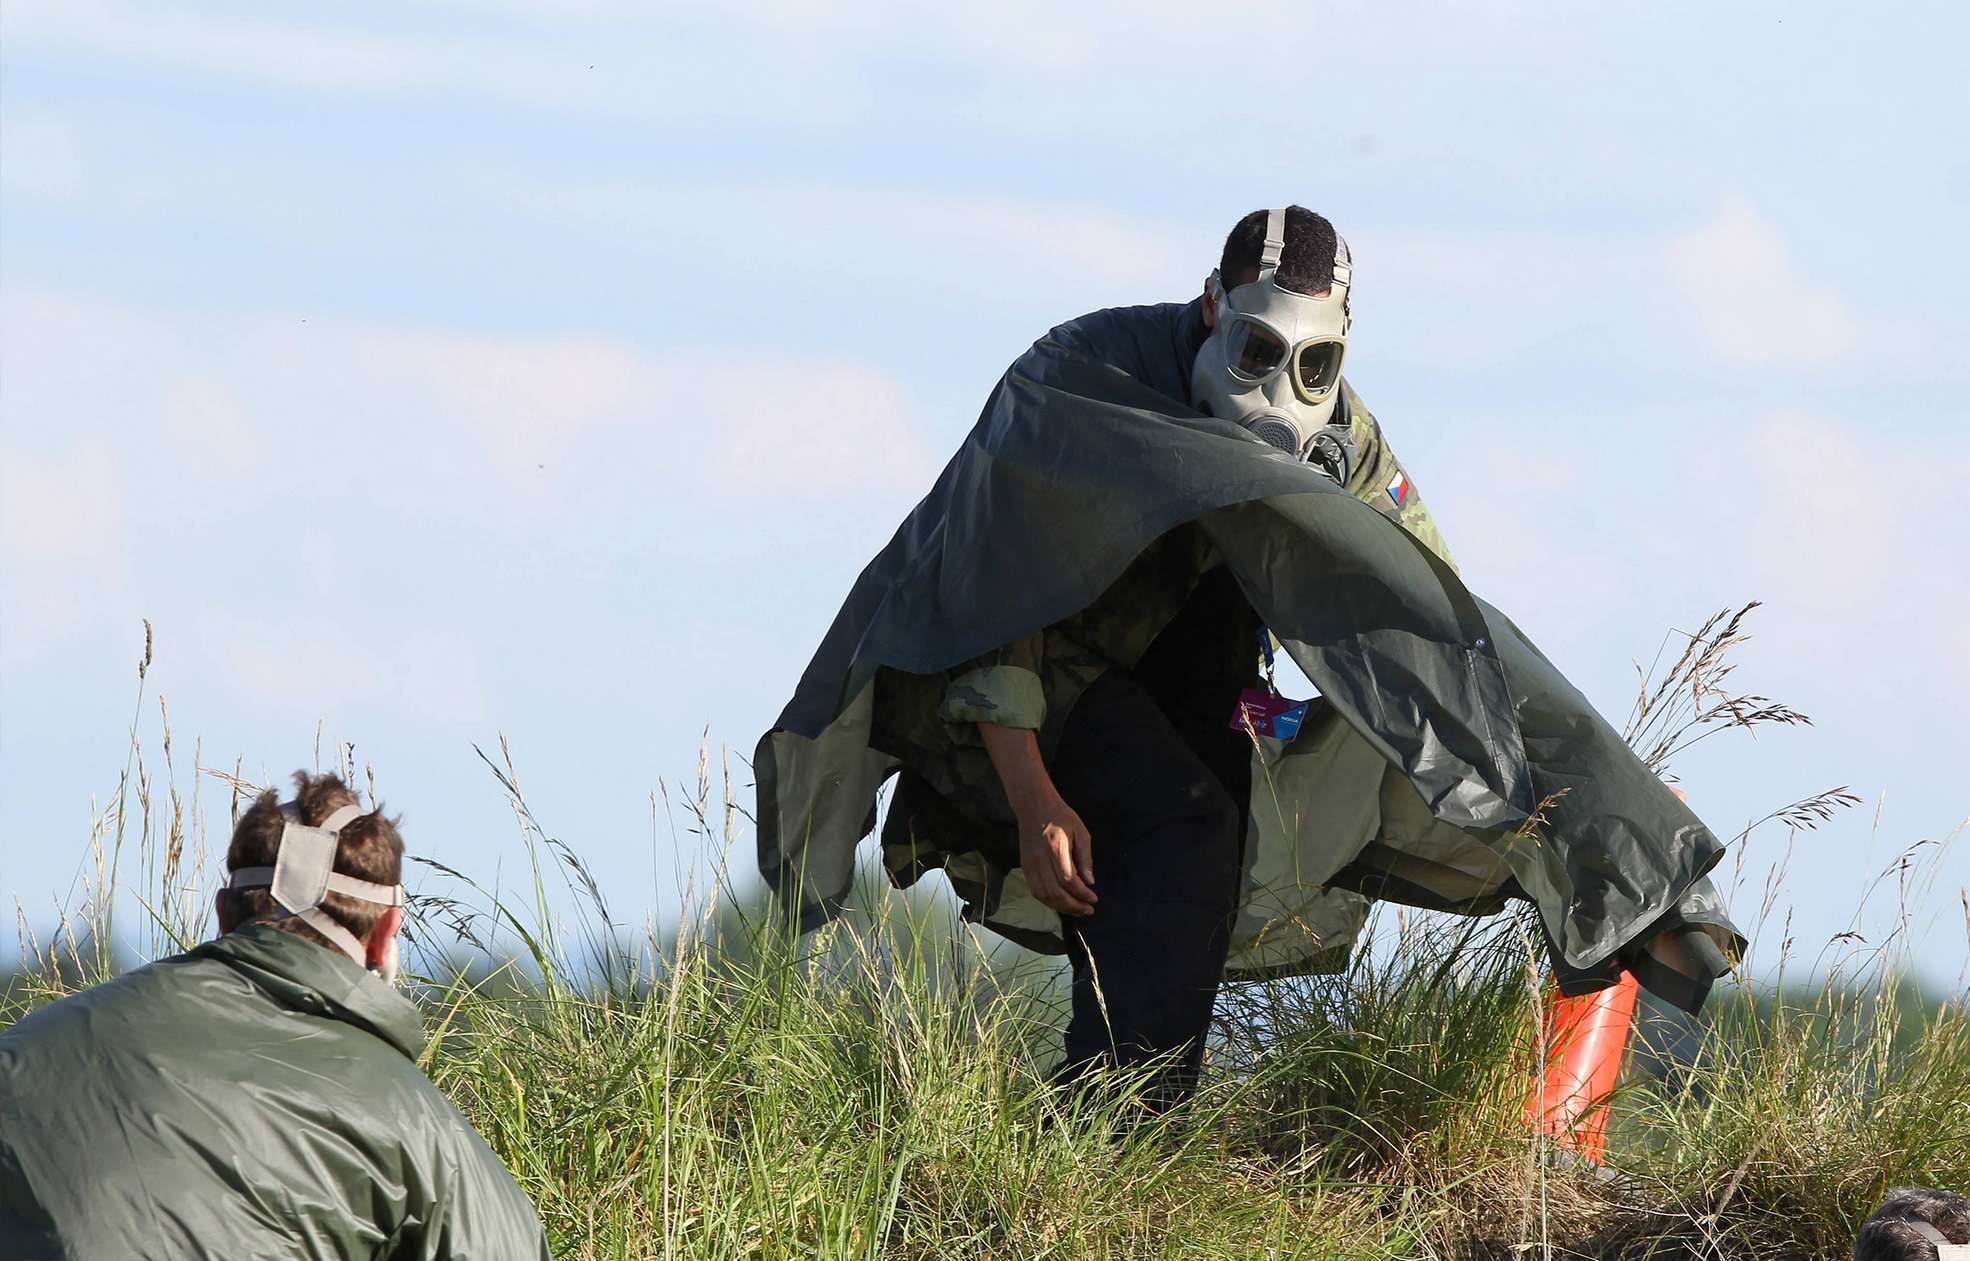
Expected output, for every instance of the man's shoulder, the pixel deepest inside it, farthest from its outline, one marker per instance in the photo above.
(194, 1012)
(1155, 343)
(1380, 479)
(1105, 328)
(140, 996)
(191, 1038)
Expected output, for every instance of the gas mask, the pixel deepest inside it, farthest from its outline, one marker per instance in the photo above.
(304, 873)
(1273, 362)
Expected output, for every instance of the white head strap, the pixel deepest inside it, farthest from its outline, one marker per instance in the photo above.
(304, 873)
(1945, 1250)
(1275, 246)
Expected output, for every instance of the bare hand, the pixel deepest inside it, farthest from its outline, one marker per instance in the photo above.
(1057, 856)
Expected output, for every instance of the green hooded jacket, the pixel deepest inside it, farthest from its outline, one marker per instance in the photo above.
(258, 1096)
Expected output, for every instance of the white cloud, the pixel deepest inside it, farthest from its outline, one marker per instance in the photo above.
(1861, 536)
(209, 421)
(496, 405)
(1597, 540)
(579, 71)
(138, 443)
(39, 155)
(837, 426)
(1003, 246)
(64, 541)
(329, 662)
(302, 54)
(1738, 295)
(1069, 41)
(1741, 305)
(1751, 300)
(1024, 65)
(1475, 299)
(241, 395)
(1502, 498)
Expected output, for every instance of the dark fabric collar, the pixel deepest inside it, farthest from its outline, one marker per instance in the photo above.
(302, 976)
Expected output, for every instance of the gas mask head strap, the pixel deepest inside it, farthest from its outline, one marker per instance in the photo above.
(1275, 245)
(304, 873)
(1945, 1249)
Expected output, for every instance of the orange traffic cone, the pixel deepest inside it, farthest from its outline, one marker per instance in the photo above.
(1586, 1037)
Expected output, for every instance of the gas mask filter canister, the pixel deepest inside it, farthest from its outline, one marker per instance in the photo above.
(304, 873)
(1273, 361)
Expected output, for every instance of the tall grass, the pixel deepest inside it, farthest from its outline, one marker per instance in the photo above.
(720, 1089)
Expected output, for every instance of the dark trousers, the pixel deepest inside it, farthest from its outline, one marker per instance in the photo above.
(1166, 841)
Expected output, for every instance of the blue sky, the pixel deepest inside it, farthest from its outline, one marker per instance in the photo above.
(441, 370)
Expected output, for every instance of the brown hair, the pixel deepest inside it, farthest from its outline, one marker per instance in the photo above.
(1887, 1236)
(1306, 264)
(369, 848)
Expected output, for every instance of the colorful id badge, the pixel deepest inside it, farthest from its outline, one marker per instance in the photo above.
(1268, 715)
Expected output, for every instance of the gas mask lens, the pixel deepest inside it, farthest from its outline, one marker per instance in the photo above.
(1317, 370)
(1254, 351)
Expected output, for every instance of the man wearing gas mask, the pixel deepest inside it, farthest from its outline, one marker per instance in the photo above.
(258, 1095)
(1124, 763)
(1063, 656)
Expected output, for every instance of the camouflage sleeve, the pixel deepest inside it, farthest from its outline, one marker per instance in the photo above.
(1380, 480)
(1001, 687)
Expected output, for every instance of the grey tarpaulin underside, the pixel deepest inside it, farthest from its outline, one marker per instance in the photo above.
(1444, 729)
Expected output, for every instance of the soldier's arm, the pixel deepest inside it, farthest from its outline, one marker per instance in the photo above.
(1002, 688)
(1001, 694)
(1055, 851)
(1380, 480)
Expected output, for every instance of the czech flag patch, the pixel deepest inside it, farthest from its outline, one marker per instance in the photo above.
(1398, 487)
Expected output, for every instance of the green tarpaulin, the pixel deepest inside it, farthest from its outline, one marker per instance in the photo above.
(1441, 732)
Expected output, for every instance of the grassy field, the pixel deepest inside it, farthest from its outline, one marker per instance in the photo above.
(879, 1089)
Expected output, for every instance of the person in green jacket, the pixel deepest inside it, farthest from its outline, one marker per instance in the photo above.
(1120, 714)
(258, 1096)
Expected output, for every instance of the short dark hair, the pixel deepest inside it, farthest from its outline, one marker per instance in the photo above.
(1306, 265)
(1887, 1236)
(368, 848)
